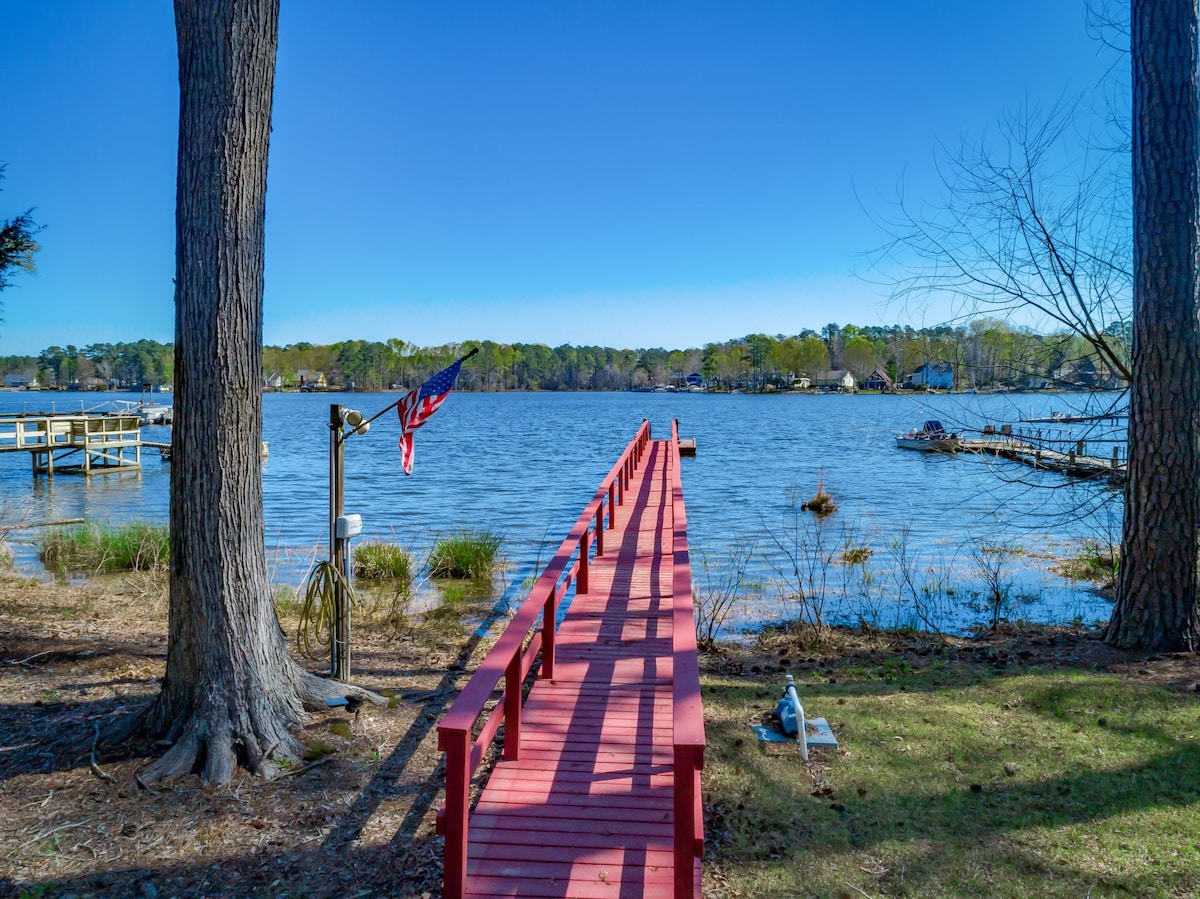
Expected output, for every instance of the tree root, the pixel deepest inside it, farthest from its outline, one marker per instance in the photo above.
(214, 739)
(315, 690)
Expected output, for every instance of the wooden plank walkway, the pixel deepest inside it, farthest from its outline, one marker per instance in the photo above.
(588, 807)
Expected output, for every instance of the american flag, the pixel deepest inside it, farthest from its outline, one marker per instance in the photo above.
(417, 405)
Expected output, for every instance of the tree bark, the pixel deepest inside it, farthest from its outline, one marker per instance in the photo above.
(1156, 589)
(232, 691)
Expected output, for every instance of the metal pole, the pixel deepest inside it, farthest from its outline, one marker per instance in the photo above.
(339, 658)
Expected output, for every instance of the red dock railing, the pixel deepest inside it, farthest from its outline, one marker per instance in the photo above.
(688, 712)
(511, 660)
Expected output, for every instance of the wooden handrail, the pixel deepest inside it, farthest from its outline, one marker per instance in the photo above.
(687, 710)
(511, 660)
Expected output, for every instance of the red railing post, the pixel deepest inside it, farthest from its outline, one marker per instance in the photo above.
(600, 530)
(686, 800)
(549, 619)
(612, 508)
(512, 709)
(457, 747)
(581, 579)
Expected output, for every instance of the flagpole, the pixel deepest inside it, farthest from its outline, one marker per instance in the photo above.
(339, 650)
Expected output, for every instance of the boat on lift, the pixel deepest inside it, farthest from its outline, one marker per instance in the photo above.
(932, 438)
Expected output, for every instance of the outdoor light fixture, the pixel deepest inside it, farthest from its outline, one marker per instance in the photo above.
(354, 419)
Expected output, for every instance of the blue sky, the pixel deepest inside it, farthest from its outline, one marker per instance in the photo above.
(627, 174)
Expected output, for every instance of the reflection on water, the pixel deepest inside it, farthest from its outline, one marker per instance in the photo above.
(525, 464)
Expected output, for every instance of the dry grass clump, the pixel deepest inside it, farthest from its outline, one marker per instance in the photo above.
(821, 503)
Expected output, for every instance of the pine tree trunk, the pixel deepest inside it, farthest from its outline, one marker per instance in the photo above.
(232, 692)
(1156, 588)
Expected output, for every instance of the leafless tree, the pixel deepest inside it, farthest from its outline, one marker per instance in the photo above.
(1034, 226)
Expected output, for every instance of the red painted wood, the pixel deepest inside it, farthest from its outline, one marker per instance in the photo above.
(586, 801)
(655, 853)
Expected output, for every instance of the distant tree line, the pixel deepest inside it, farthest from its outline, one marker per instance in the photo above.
(99, 366)
(984, 353)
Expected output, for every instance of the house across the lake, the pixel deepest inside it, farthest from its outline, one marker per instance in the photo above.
(879, 380)
(1086, 374)
(835, 379)
(21, 381)
(311, 380)
(934, 376)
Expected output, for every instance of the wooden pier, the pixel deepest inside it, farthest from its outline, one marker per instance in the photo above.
(81, 443)
(597, 793)
(1074, 462)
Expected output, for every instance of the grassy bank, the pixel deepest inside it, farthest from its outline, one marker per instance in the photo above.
(105, 548)
(1010, 772)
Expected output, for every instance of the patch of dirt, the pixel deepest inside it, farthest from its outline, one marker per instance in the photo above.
(357, 819)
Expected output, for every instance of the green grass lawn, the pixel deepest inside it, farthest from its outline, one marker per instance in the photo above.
(956, 780)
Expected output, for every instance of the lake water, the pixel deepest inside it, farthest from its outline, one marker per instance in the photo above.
(525, 464)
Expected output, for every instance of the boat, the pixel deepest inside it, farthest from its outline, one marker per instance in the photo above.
(932, 438)
(149, 412)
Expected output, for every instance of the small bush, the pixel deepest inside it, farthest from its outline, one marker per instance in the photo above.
(720, 584)
(856, 555)
(1100, 562)
(377, 561)
(129, 547)
(468, 554)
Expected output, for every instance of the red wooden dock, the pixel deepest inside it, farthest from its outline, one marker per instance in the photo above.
(598, 790)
